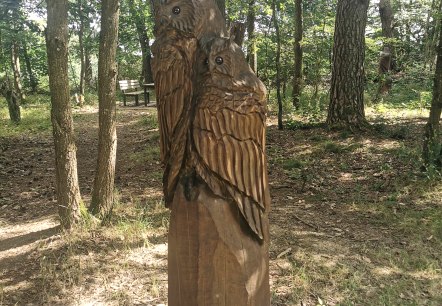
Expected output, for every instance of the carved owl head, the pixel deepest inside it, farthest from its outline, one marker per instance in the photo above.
(227, 66)
(179, 14)
(198, 17)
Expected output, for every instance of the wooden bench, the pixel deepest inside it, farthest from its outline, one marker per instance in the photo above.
(132, 88)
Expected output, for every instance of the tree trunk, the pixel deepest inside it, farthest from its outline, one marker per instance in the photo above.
(297, 77)
(278, 65)
(15, 64)
(252, 57)
(33, 82)
(82, 58)
(346, 108)
(7, 90)
(88, 69)
(432, 142)
(103, 191)
(140, 24)
(68, 192)
(387, 55)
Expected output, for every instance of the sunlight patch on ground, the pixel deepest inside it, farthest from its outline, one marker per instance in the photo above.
(9, 231)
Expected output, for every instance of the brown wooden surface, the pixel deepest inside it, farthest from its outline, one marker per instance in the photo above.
(214, 259)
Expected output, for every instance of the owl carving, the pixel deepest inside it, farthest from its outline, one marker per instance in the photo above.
(228, 132)
(180, 26)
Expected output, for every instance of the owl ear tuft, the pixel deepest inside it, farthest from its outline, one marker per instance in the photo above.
(232, 38)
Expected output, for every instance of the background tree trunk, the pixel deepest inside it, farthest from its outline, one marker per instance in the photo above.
(140, 24)
(297, 77)
(33, 82)
(68, 192)
(252, 56)
(346, 108)
(278, 65)
(7, 90)
(432, 142)
(82, 57)
(103, 191)
(15, 64)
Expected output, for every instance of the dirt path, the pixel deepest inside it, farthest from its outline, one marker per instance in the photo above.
(351, 222)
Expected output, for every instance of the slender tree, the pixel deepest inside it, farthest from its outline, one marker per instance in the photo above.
(252, 56)
(432, 152)
(297, 77)
(278, 64)
(140, 23)
(346, 108)
(68, 192)
(103, 190)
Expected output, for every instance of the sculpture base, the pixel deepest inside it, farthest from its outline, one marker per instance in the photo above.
(213, 258)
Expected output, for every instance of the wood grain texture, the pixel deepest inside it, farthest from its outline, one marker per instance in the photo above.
(211, 263)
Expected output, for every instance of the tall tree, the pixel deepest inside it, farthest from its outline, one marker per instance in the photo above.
(346, 108)
(15, 64)
(82, 50)
(103, 190)
(297, 77)
(278, 64)
(68, 191)
(432, 140)
(252, 56)
(386, 59)
(139, 18)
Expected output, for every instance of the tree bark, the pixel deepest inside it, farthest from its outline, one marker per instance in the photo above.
(278, 64)
(297, 77)
(88, 69)
(346, 108)
(222, 7)
(432, 140)
(252, 57)
(68, 192)
(140, 24)
(103, 191)
(15, 64)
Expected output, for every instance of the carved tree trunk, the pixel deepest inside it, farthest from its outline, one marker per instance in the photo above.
(215, 179)
(238, 30)
(278, 64)
(212, 257)
(103, 191)
(252, 57)
(432, 140)
(68, 192)
(346, 108)
(297, 77)
(222, 7)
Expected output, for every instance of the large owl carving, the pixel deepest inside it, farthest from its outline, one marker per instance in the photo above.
(228, 132)
(180, 25)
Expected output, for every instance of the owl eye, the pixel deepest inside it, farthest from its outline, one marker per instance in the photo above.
(219, 60)
(176, 10)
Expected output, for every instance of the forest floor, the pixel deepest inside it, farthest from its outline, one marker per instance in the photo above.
(353, 221)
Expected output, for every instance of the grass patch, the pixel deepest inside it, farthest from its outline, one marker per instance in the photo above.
(34, 119)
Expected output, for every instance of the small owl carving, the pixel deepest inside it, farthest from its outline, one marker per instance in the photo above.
(228, 132)
(179, 27)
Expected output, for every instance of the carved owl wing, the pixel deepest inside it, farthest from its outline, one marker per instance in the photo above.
(229, 140)
(172, 68)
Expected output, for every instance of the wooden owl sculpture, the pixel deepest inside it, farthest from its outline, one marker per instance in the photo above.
(228, 132)
(179, 26)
